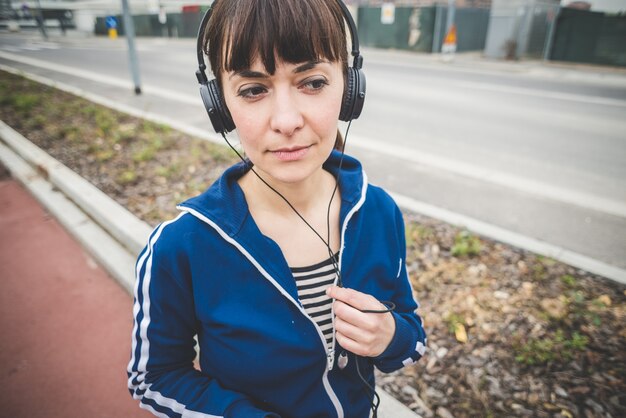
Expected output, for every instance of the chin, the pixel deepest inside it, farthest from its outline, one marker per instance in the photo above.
(292, 175)
(292, 172)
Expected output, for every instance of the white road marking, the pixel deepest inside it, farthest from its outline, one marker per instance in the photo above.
(10, 48)
(101, 78)
(498, 88)
(532, 187)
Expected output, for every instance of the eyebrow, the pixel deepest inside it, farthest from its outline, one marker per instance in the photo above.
(306, 66)
(258, 74)
(248, 74)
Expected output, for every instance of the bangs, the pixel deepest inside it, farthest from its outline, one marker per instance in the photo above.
(293, 31)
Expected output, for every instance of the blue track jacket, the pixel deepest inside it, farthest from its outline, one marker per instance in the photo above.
(211, 274)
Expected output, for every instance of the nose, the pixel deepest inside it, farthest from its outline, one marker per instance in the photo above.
(286, 117)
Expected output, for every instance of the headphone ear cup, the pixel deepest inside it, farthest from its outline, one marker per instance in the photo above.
(353, 95)
(348, 97)
(216, 108)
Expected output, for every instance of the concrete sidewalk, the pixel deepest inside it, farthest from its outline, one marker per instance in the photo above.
(65, 323)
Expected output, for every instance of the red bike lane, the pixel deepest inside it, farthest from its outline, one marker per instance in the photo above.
(65, 324)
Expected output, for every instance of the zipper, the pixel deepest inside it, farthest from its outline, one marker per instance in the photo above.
(342, 240)
(330, 358)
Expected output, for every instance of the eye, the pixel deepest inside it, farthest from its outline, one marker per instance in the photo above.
(252, 92)
(315, 84)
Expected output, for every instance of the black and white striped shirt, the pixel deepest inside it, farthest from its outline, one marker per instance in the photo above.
(312, 282)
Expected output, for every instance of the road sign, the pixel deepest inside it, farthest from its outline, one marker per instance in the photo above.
(111, 24)
(387, 13)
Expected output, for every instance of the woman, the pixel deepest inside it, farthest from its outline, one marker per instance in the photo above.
(280, 267)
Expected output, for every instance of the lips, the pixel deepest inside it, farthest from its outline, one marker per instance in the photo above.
(290, 154)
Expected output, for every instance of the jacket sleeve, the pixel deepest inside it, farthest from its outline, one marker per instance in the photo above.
(161, 374)
(409, 341)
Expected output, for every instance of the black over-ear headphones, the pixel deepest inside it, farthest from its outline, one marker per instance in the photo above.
(222, 121)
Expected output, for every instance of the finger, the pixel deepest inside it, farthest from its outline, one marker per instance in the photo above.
(352, 332)
(354, 298)
(353, 346)
(352, 316)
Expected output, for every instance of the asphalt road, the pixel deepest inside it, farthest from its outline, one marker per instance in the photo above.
(539, 150)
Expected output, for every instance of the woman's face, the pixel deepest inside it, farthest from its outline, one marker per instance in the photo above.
(287, 122)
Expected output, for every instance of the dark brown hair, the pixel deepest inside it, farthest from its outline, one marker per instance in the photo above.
(295, 31)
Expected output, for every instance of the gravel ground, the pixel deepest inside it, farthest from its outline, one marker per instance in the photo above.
(511, 334)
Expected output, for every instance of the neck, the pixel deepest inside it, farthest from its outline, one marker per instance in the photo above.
(305, 196)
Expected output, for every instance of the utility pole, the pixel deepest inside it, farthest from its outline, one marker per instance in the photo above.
(40, 21)
(450, 20)
(129, 29)
(448, 48)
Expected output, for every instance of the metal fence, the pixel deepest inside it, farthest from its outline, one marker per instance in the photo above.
(521, 29)
(422, 28)
(589, 37)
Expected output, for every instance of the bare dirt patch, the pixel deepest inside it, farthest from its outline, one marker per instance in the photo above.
(511, 334)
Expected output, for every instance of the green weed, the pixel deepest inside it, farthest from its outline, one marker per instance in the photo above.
(104, 121)
(546, 260)
(157, 143)
(39, 121)
(168, 171)
(149, 127)
(196, 152)
(144, 154)
(552, 348)
(89, 110)
(568, 280)
(69, 132)
(453, 320)
(585, 310)
(126, 177)
(416, 233)
(25, 103)
(104, 155)
(539, 272)
(466, 244)
(124, 133)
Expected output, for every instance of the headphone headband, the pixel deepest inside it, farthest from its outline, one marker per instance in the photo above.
(358, 59)
(200, 74)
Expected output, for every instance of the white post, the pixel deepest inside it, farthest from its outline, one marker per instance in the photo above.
(129, 30)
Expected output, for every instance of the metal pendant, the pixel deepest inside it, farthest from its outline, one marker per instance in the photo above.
(342, 361)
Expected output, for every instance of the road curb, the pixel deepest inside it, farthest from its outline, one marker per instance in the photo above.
(109, 232)
(108, 252)
(125, 227)
(512, 238)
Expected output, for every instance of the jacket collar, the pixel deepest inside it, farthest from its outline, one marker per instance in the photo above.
(224, 202)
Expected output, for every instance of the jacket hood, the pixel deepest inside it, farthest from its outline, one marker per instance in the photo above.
(224, 202)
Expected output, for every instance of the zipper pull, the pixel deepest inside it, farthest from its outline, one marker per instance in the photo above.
(331, 359)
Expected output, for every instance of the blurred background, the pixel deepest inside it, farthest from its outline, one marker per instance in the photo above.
(575, 31)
